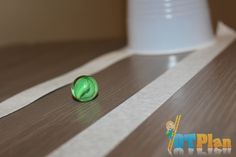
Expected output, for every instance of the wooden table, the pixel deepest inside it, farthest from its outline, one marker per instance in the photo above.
(207, 102)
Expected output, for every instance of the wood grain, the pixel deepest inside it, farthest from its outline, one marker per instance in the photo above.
(24, 66)
(49, 122)
(207, 104)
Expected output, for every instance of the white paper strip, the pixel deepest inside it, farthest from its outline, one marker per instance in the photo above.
(30, 95)
(104, 135)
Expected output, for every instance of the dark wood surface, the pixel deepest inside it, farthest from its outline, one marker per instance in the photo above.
(44, 125)
(207, 104)
(23, 66)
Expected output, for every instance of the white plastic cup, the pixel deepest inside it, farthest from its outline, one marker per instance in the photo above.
(168, 26)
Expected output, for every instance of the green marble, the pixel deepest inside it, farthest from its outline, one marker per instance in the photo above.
(84, 88)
